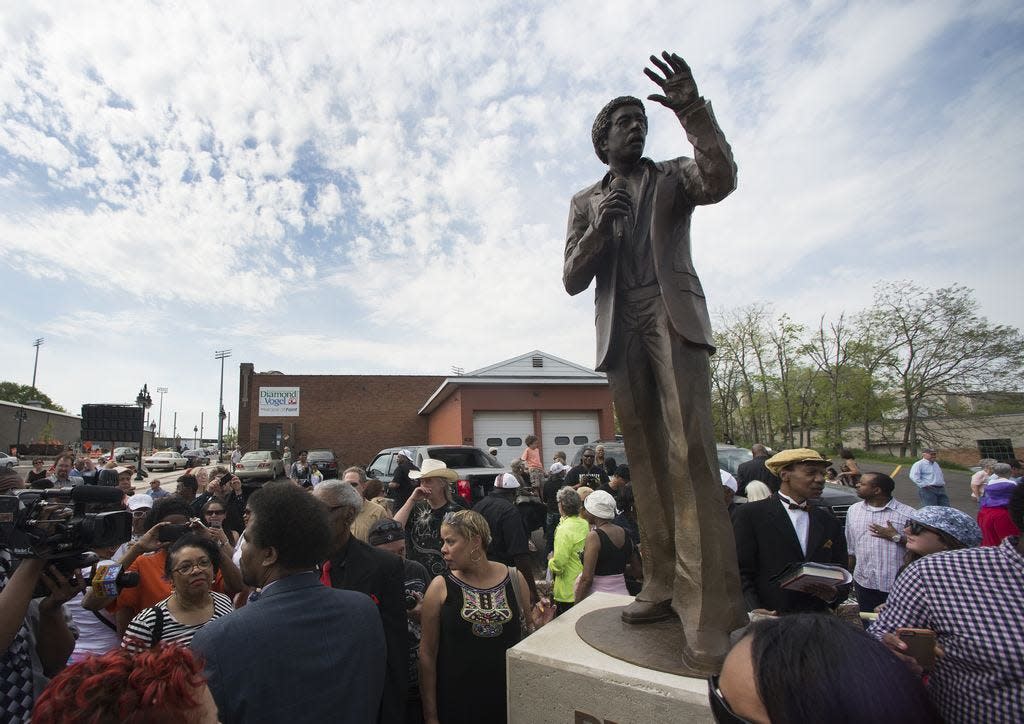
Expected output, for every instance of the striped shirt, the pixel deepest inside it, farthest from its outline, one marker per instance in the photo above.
(878, 559)
(974, 601)
(140, 633)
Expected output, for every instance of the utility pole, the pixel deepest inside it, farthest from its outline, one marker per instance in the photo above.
(174, 430)
(221, 355)
(201, 426)
(37, 344)
(160, 416)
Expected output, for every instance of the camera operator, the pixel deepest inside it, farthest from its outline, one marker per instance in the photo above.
(35, 638)
(147, 556)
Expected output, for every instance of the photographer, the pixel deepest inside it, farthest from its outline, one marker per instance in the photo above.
(170, 518)
(35, 638)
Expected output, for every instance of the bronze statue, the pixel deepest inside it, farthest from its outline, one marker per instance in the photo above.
(631, 231)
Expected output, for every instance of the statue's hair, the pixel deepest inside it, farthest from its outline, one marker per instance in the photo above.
(603, 122)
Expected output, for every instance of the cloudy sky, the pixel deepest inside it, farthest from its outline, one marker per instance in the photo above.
(367, 187)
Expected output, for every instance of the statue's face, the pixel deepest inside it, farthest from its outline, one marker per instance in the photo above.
(627, 134)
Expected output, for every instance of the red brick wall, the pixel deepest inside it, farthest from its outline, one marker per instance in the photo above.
(354, 415)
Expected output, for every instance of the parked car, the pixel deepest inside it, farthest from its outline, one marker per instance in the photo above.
(196, 457)
(125, 453)
(8, 461)
(837, 498)
(260, 465)
(326, 462)
(475, 467)
(165, 460)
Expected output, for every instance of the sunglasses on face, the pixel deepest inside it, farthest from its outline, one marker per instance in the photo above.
(215, 512)
(916, 528)
(720, 707)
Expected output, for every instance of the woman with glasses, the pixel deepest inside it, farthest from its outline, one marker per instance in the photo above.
(815, 667)
(214, 514)
(937, 528)
(38, 472)
(192, 566)
(471, 616)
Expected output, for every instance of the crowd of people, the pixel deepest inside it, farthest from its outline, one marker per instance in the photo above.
(348, 600)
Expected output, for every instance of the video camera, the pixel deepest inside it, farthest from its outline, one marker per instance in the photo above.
(39, 523)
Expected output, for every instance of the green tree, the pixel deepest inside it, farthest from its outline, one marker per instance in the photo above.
(940, 345)
(24, 394)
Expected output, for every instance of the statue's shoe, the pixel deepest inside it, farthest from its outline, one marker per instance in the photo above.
(647, 612)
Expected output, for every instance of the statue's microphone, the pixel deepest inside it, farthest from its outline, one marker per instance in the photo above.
(618, 223)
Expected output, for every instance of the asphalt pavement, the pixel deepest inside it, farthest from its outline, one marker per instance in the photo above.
(958, 485)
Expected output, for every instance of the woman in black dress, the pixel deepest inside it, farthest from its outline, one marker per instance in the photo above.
(471, 615)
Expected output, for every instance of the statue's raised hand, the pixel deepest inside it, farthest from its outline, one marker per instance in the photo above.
(678, 85)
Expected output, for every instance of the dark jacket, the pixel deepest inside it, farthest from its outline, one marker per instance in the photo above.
(300, 653)
(381, 576)
(755, 470)
(508, 534)
(766, 543)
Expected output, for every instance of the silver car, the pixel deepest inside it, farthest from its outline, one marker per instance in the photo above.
(167, 460)
(260, 465)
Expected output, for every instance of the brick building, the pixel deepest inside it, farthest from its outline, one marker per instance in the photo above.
(564, 404)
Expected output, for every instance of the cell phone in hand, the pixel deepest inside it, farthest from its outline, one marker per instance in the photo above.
(171, 533)
(920, 645)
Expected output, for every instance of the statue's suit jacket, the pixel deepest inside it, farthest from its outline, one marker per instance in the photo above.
(302, 652)
(679, 186)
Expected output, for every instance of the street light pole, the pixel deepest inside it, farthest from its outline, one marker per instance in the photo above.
(145, 402)
(20, 416)
(195, 437)
(37, 344)
(160, 417)
(221, 355)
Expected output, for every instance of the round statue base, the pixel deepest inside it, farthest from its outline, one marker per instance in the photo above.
(655, 646)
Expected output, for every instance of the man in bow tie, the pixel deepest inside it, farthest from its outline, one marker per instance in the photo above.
(789, 527)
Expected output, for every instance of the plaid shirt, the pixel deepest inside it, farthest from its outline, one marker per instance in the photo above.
(974, 600)
(878, 559)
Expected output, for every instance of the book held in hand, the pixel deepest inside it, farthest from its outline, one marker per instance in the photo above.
(799, 576)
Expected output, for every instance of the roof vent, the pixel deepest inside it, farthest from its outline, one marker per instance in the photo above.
(538, 361)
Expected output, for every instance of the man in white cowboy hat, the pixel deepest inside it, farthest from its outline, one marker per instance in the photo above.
(424, 512)
(509, 542)
(785, 528)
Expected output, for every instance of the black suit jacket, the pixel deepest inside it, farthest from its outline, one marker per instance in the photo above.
(381, 576)
(766, 543)
(755, 469)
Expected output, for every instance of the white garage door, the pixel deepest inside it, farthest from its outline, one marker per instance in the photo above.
(506, 431)
(567, 431)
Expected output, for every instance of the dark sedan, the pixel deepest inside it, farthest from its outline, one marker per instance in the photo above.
(326, 462)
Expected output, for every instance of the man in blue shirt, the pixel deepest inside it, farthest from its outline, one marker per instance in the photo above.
(927, 476)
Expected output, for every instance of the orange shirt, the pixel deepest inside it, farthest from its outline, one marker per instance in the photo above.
(153, 586)
(532, 457)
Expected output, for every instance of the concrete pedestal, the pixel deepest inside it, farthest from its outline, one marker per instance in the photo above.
(553, 676)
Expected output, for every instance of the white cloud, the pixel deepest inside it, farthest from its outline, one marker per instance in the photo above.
(299, 172)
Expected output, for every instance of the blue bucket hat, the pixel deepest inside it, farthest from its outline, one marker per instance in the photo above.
(958, 526)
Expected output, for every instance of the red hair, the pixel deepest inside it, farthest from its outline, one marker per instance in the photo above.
(158, 685)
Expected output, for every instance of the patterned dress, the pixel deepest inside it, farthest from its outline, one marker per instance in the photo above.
(16, 687)
(477, 627)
